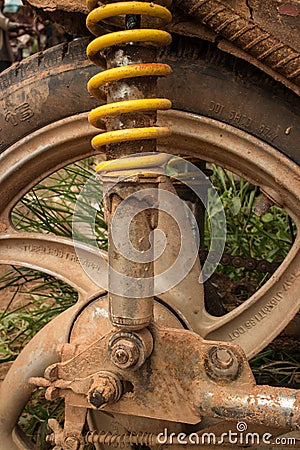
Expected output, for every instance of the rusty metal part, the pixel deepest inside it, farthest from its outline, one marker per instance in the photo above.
(189, 440)
(105, 389)
(130, 349)
(261, 405)
(237, 151)
(125, 353)
(134, 309)
(71, 16)
(70, 437)
(57, 438)
(135, 306)
(100, 389)
(231, 393)
(245, 34)
(117, 440)
(222, 364)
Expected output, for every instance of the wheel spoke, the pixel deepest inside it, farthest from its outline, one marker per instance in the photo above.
(264, 315)
(57, 257)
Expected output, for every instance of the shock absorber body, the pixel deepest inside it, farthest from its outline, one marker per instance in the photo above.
(129, 84)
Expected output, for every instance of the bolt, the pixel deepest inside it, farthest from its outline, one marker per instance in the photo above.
(71, 443)
(124, 353)
(106, 389)
(224, 358)
(222, 363)
(97, 399)
(121, 356)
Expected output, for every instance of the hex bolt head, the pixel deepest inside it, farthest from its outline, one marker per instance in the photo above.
(222, 363)
(124, 353)
(121, 356)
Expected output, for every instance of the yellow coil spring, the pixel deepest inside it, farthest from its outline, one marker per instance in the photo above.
(151, 36)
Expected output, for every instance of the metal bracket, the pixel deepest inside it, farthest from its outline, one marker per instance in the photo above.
(199, 378)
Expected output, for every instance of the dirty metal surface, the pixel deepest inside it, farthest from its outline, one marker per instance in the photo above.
(200, 378)
(126, 310)
(238, 152)
(199, 137)
(278, 17)
(190, 59)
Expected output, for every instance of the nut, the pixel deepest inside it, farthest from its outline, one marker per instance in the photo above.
(106, 389)
(130, 349)
(97, 398)
(222, 364)
(124, 353)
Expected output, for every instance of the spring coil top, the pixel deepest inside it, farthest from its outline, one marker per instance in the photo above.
(147, 36)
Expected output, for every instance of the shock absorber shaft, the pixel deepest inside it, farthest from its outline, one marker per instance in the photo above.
(130, 116)
(126, 311)
(131, 89)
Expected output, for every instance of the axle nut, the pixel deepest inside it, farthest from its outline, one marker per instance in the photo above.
(124, 353)
(130, 349)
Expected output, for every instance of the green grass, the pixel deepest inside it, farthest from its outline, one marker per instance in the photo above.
(49, 207)
(40, 297)
(269, 237)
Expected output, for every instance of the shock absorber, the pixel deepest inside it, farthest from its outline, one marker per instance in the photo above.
(129, 85)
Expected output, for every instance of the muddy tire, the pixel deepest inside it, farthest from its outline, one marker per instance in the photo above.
(51, 85)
